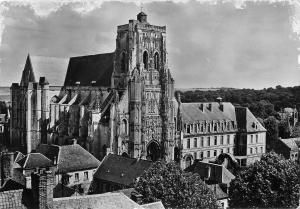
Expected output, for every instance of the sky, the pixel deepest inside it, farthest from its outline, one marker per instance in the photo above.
(239, 44)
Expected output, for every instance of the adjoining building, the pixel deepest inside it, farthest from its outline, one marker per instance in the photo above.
(118, 172)
(289, 148)
(209, 129)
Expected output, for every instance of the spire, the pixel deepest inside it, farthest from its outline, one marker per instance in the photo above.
(28, 75)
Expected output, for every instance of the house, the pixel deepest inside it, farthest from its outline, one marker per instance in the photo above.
(118, 172)
(74, 165)
(289, 148)
(222, 197)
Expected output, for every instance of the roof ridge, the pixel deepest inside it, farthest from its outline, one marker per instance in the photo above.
(88, 55)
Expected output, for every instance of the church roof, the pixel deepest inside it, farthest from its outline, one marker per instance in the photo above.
(192, 112)
(121, 170)
(85, 69)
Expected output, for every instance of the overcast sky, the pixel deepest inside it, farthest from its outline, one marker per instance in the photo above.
(253, 45)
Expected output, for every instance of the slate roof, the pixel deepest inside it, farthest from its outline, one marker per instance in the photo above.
(246, 121)
(192, 112)
(121, 170)
(218, 173)
(34, 160)
(86, 69)
(220, 194)
(105, 200)
(290, 143)
(69, 157)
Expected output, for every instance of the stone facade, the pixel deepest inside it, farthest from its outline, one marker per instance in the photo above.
(130, 112)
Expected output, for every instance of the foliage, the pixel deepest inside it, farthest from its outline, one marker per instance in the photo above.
(271, 182)
(284, 129)
(262, 103)
(271, 124)
(174, 187)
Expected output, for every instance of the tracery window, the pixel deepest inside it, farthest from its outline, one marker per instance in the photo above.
(156, 61)
(145, 60)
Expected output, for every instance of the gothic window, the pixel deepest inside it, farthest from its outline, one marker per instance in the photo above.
(188, 129)
(228, 139)
(208, 141)
(202, 141)
(124, 127)
(216, 140)
(222, 140)
(215, 127)
(123, 62)
(145, 60)
(156, 61)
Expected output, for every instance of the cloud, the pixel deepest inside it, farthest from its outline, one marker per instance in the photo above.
(210, 44)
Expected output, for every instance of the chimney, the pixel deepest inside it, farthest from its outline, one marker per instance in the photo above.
(136, 197)
(42, 186)
(201, 107)
(209, 107)
(7, 162)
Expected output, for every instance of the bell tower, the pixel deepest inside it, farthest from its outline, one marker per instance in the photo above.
(141, 70)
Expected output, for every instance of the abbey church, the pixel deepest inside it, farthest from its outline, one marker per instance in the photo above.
(124, 103)
(121, 102)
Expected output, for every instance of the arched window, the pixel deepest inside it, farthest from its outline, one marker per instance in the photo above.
(188, 161)
(124, 127)
(123, 62)
(156, 61)
(145, 60)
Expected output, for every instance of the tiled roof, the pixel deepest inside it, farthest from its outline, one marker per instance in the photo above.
(290, 143)
(154, 205)
(220, 194)
(34, 160)
(121, 170)
(86, 69)
(69, 157)
(192, 112)
(246, 121)
(218, 173)
(105, 200)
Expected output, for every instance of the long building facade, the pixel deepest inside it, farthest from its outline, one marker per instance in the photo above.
(121, 102)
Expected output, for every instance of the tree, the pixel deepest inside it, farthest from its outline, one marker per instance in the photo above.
(271, 125)
(271, 182)
(174, 187)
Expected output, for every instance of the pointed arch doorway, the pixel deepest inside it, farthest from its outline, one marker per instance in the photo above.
(153, 151)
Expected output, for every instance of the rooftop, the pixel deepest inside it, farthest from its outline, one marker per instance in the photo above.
(35, 160)
(69, 157)
(121, 170)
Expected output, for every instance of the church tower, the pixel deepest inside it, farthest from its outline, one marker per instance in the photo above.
(141, 70)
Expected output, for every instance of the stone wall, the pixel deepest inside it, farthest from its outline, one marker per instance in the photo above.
(11, 199)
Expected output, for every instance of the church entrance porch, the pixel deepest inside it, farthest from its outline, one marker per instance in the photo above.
(153, 151)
